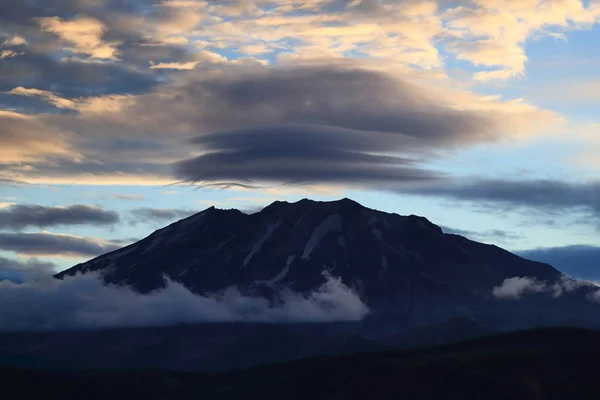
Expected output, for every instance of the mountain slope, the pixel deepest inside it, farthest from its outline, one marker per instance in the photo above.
(405, 268)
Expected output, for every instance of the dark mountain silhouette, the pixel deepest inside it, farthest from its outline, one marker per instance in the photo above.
(422, 287)
(408, 272)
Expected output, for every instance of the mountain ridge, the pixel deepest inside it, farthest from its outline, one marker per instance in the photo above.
(405, 268)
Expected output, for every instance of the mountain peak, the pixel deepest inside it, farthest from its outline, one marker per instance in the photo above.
(297, 244)
(342, 205)
(349, 202)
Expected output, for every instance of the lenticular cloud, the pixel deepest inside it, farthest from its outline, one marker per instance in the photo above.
(84, 302)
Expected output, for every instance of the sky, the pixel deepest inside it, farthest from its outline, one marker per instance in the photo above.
(118, 117)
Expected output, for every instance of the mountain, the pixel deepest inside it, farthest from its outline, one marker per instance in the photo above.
(409, 273)
(537, 364)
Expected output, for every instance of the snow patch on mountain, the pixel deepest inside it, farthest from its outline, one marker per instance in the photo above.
(257, 246)
(223, 243)
(375, 231)
(300, 219)
(283, 272)
(378, 234)
(384, 261)
(332, 223)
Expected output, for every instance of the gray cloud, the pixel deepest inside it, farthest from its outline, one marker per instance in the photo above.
(11, 182)
(582, 262)
(341, 96)
(124, 241)
(63, 169)
(116, 196)
(70, 78)
(491, 235)
(333, 124)
(204, 101)
(20, 270)
(84, 302)
(158, 215)
(545, 193)
(352, 98)
(296, 154)
(53, 244)
(23, 11)
(42, 64)
(338, 123)
(20, 216)
(128, 197)
(545, 196)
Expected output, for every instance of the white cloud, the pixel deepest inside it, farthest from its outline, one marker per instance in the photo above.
(514, 288)
(15, 41)
(8, 54)
(595, 296)
(50, 97)
(176, 65)
(493, 34)
(84, 302)
(84, 34)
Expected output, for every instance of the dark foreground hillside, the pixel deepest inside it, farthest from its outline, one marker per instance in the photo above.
(539, 364)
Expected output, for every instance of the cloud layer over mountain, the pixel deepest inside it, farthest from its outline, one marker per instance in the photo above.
(83, 301)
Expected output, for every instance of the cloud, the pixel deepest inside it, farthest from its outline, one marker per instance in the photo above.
(15, 41)
(409, 33)
(581, 262)
(70, 78)
(355, 123)
(516, 287)
(88, 171)
(129, 197)
(21, 270)
(543, 195)
(201, 57)
(125, 241)
(490, 235)
(493, 34)
(345, 96)
(176, 65)
(83, 33)
(158, 215)
(83, 302)
(53, 244)
(91, 72)
(50, 97)
(24, 138)
(116, 196)
(283, 107)
(20, 216)
(8, 53)
(300, 154)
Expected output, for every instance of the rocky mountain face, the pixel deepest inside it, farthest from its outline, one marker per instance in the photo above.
(408, 272)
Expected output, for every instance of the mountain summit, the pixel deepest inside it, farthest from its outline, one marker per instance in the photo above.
(405, 268)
